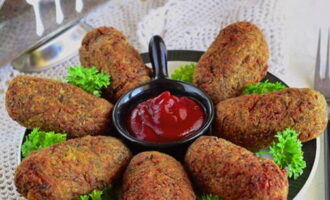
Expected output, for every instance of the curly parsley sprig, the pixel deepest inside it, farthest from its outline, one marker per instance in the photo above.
(89, 79)
(108, 193)
(184, 73)
(209, 197)
(287, 152)
(38, 139)
(94, 195)
(263, 87)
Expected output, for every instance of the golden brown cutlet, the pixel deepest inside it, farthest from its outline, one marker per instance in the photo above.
(252, 121)
(108, 50)
(236, 58)
(69, 169)
(55, 106)
(153, 175)
(222, 168)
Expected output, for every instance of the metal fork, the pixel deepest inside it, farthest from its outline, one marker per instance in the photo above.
(59, 13)
(323, 85)
(36, 7)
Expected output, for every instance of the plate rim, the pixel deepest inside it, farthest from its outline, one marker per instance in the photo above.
(313, 171)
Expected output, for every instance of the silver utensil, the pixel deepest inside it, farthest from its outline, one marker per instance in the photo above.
(59, 13)
(79, 5)
(60, 42)
(52, 49)
(323, 85)
(36, 7)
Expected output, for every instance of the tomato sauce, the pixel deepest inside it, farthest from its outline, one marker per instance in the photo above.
(165, 118)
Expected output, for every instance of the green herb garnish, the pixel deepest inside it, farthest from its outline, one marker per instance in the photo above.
(89, 79)
(287, 152)
(40, 139)
(84, 197)
(94, 195)
(263, 87)
(106, 194)
(209, 197)
(184, 73)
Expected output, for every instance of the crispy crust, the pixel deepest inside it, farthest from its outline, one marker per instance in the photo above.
(236, 58)
(72, 168)
(108, 50)
(154, 175)
(232, 172)
(252, 121)
(55, 106)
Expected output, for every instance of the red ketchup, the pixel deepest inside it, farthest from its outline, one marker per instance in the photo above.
(165, 118)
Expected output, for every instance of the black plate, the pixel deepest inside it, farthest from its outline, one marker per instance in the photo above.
(309, 148)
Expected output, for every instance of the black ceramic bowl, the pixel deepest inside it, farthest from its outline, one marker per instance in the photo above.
(159, 84)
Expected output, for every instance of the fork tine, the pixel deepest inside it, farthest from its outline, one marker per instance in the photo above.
(328, 52)
(318, 61)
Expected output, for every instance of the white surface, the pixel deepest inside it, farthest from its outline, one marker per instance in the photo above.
(304, 18)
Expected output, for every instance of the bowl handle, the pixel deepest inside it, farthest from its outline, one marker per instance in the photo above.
(158, 57)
